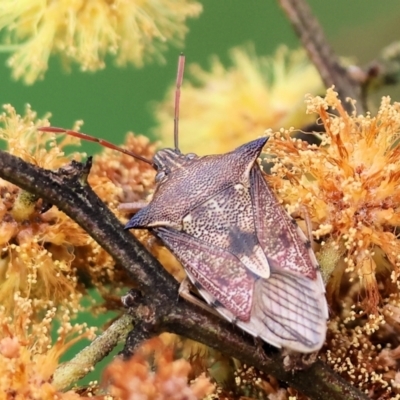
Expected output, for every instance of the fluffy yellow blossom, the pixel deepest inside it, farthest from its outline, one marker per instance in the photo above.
(86, 31)
(28, 358)
(349, 187)
(23, 139)
(226, 107)
(36, 247)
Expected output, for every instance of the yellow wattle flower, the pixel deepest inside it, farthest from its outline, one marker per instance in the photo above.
(86, 31)
(36, 248)
(225, 107)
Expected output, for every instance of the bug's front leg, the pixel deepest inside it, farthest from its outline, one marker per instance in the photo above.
(185, 292)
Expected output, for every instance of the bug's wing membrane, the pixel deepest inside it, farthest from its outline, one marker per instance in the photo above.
(217, 271)
(290, 311)
(290, 304)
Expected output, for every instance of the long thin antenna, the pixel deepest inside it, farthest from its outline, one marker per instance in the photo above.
(89, 138)
(179, 79)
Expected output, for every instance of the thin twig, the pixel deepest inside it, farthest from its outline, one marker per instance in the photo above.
(70, 372)
(159, 310)
(321, 53)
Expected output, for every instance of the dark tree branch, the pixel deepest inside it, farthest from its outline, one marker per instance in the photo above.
(321, 53)
(157, 309)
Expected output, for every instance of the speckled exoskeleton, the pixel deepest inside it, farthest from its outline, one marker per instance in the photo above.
(239, 247)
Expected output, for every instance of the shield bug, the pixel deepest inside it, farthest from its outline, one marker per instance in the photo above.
(246, 256)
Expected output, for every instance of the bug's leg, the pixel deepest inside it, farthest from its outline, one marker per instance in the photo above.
(307, 220)
(305, 224)
(131, 298)
(259, 343)
(184, 292)
(295, 361)
(132, 207)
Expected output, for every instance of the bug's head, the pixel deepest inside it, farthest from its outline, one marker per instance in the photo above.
(167, 160)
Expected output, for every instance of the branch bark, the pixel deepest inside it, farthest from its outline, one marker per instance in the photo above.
(158, 309)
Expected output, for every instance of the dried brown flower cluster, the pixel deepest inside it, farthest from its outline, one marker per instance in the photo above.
(232, 379)
(164, 361)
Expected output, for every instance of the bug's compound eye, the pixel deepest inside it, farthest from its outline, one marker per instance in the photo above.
(190, 156)
(161, 176)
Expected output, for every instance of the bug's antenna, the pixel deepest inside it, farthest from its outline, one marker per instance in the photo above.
(89, 138)
(179, 78)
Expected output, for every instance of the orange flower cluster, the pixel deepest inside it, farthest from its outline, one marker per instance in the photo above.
(28, 358)
(167, 381)
(348, 187)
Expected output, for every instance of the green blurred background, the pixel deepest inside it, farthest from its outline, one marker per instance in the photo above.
(115, 101)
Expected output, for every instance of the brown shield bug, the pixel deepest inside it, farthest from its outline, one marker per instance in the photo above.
(239, 247)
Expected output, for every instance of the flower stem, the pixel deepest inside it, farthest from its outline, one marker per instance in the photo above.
(70, 372)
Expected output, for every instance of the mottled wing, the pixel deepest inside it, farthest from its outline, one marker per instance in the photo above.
(219, 273)
(226, 221)
(278, 234)
(291, 304)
